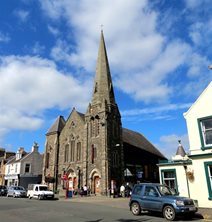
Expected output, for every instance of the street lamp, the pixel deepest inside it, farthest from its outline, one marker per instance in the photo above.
(78, 169)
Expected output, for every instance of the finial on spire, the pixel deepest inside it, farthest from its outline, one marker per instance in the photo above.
(179, 141)
(101, 27)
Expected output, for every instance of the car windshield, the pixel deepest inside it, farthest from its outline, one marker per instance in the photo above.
(18, 188)
(164, 190)
(43, 188)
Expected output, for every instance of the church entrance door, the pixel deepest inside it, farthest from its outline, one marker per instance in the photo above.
(97, 189)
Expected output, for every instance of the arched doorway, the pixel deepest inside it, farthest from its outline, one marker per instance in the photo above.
(72, 179)
(95, 183)
(97, 189)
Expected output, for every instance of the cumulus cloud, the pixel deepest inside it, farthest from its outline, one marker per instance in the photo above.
(169, 143)
(23, 15)
(4, 37)
(136, 49)
(31, 85)
(155, 110)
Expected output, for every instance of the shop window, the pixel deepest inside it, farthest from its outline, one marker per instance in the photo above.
(205, 128)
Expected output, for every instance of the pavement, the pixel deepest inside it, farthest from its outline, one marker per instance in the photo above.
(203, 213)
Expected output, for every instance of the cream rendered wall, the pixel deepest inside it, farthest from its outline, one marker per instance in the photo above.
(198, 187)
(201, 108)
(12, 169)
(181, 178)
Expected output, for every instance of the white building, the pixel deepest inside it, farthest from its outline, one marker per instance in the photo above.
(24, 168)
(191, 174)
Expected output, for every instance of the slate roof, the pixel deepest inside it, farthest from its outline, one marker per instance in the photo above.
(57, 126)
(138, 140)
(180, 150)
(131, 137)
(81, 115)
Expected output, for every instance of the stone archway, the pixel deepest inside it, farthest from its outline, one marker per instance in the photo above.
(95, 181)
(72, 179)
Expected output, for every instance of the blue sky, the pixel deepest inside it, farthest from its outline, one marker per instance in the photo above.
(159, 52)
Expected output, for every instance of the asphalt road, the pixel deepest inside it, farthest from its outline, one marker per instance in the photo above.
(26, 210)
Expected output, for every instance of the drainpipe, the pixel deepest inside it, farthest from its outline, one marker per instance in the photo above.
(185, 168)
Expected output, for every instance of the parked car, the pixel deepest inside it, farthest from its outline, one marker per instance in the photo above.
(39, 191)
(3, 190)
(16, 191)
(160, 198)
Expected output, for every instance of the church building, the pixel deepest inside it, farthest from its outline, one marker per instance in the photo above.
(93, 149)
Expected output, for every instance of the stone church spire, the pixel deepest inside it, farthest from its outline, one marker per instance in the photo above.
(103, 88)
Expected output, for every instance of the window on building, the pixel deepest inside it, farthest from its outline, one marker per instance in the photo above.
(115, 160)
(16, 168)
(66, 153)
(169, 178)
(205, 125)
(72, 150)
(92, 127)
(78, 151)
(93, 153)
(208, 172)
(47, 160)
(97, 126)
(27, 168)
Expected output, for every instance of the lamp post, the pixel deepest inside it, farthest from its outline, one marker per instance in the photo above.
(78, 170)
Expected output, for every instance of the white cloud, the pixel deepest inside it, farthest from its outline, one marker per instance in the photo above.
(31, 85)
(53, 30)
(38, 48)
(23, 15)
(155, 110)
(136, 49)
(4, 37)
(169, 144)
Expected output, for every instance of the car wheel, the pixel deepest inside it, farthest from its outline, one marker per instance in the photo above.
(135, 208)
(169, 213)
(14, 195)
(39, 197)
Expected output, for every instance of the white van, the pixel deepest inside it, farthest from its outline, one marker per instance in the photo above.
(39, 191)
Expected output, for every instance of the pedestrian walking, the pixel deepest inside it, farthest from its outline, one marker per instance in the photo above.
(122, 190)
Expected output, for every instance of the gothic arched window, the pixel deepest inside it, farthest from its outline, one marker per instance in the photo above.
(92, 127)
(47, 160)
(72, 151)
(66, 153)
(93, 153)
(78, 151)
(97, 125)
(115, 160)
